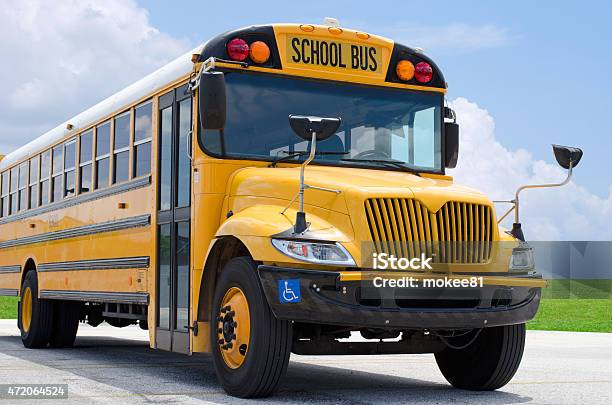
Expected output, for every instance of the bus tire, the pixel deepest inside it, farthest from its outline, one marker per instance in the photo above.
(486, 364)
(65, 323)
(257, 355)
(35, 315)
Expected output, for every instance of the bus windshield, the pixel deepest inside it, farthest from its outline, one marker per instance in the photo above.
(381, 127)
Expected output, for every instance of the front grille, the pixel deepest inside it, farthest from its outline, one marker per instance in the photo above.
(458, 233)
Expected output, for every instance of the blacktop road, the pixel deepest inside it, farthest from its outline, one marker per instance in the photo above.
(111, 365)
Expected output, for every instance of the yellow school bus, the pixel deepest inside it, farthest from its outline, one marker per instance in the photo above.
(232, 201)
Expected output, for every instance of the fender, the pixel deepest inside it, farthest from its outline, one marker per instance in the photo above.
(255, 225)
(249, 232)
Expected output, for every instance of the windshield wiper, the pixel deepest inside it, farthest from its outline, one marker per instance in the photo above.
(291, 155)
(387, 162)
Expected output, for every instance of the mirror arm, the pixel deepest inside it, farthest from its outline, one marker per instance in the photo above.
(328, 190)
(506, 214)
(301, 225)
(313, 145)
(208, 65)
(518, 191)
(303, 185)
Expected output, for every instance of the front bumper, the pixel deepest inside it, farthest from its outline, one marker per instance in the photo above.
(325, 299)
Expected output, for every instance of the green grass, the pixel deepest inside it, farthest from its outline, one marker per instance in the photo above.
(575, 305)
(578, 315)
(8, 307)
(581, 289)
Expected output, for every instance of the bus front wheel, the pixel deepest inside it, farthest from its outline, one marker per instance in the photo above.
(250, 346)
(489, 362)
(35, 315)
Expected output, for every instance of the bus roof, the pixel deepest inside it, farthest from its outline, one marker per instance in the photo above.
(132, 93)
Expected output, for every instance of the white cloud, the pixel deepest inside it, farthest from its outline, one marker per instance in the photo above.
(62, 56)
(456, 37)
(568, 213)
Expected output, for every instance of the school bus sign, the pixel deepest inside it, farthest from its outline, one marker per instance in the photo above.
(334, 54)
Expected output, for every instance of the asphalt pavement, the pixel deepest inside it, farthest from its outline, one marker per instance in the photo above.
(110, 365)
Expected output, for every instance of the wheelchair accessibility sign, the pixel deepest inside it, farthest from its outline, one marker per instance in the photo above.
(289, 291)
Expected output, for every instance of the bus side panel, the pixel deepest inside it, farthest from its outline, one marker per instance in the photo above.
(91, 220)
(131, 243)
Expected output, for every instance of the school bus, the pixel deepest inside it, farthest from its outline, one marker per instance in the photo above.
(230, 201)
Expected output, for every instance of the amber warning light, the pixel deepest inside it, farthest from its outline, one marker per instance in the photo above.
(260, 52)
(406, 71)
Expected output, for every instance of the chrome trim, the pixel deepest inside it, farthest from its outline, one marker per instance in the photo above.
(83, 198)
(8, 292)
(99, 264)
(96, 296)
(10, 269)
(132, 222)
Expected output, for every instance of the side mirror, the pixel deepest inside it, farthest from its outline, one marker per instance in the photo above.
(568, 158)
(213, 102)
(566, 155)
(304, 126)
(451, 144)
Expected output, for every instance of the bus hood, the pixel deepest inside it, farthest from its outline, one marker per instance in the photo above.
(354, 186)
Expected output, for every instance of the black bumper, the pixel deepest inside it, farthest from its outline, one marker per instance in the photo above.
(326, 300)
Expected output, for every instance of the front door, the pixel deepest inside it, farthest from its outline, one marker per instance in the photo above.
(174, 221)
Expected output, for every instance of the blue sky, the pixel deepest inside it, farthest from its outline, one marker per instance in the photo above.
(539, 68)
(522, 75)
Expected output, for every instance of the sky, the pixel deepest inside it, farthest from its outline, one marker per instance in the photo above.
(521, 75)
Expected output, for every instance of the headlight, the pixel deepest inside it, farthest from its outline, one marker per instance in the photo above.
(315, 252)
(522, 258)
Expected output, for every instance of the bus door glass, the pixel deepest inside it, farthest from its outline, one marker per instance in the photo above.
(174, 219)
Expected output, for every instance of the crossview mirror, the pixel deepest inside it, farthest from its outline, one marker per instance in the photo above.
(568, 158)
(311, 129)
(305, 127)
(451, 144)
(213, 102)
(567, 155)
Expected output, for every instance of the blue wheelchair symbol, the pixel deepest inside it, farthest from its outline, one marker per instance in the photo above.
(289, 291)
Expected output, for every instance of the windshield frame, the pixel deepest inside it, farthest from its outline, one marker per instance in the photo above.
(300, 160)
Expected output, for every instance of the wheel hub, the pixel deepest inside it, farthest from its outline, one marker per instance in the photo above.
(234, 327)
(26, 309)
